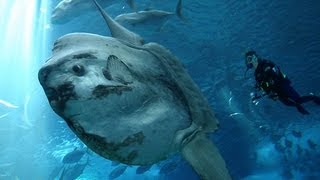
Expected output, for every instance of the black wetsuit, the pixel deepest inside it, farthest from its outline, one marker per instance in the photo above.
(276, 85)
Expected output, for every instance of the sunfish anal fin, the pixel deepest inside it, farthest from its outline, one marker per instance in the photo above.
(205, 158)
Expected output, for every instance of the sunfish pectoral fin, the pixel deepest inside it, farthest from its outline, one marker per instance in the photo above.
(118, 31)
(205, 158)
(118, 70)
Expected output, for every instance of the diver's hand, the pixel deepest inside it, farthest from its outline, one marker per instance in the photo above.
(254, 97)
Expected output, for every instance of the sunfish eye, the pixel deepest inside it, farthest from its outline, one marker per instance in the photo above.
(78, 70)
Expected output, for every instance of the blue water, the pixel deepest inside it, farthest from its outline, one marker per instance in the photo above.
(256, 141)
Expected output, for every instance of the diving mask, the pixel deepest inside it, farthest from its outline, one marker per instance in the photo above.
(250, 59)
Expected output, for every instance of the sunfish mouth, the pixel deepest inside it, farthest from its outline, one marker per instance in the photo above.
(58, 96)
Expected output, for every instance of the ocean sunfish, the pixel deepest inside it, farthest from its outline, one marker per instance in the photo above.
(131, 102)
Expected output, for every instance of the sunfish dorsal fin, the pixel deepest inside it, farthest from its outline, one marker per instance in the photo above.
(118, 31)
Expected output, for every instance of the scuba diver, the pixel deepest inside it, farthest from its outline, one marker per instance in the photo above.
(273, 83)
